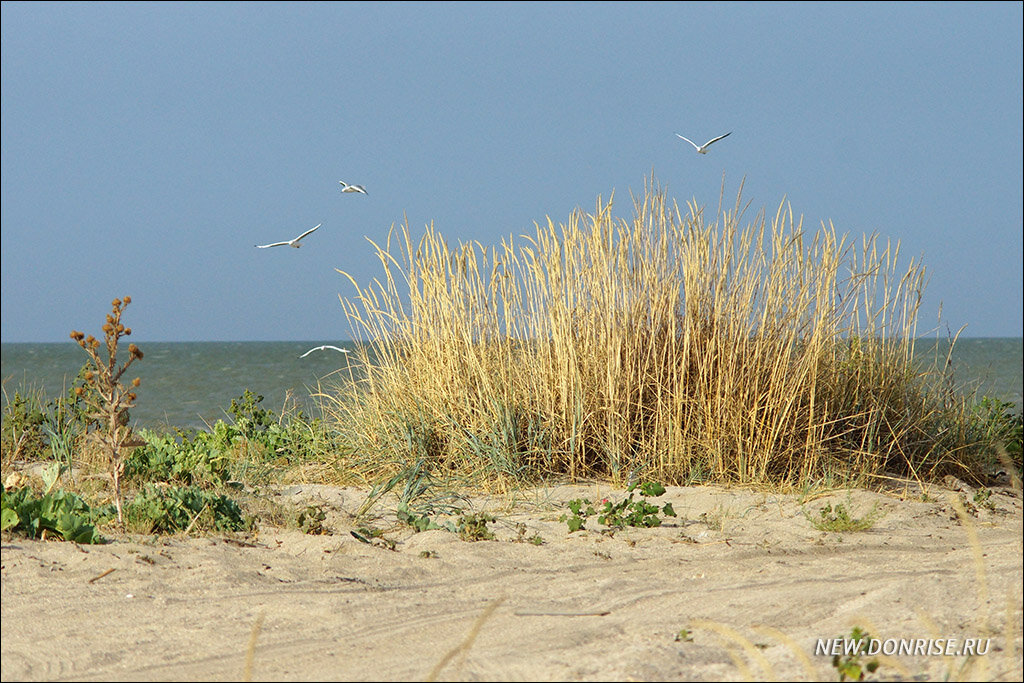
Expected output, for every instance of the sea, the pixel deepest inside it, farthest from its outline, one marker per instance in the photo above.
(192, 384)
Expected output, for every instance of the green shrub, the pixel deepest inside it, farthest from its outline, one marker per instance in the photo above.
(627, 512)
(60, 511)
(839, 519)
(196, 458)
(256, 437)
(854, 667)
(22, 435)
(169, 509)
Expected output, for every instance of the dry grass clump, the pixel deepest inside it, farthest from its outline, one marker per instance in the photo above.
(684, 349)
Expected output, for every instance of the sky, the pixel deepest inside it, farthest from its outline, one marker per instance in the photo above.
(148, 147)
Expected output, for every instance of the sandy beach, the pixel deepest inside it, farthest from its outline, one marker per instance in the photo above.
(739, 586)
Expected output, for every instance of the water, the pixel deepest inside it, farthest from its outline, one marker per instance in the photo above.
(187, 384)
(191, 384)
(989, 366)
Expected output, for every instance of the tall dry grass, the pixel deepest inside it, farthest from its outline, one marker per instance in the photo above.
(668, 345)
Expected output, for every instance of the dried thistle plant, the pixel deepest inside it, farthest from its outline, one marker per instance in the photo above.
(107, 400)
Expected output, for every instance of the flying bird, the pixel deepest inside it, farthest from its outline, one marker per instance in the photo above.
(297, 242)
(345, 187)
(323, 348)
(703, 149)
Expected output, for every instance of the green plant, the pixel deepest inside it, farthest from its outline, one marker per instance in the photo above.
(580, 509)
(419, 521)
(626, 512)
(839, 519)
(417, 480)
(170, 509)
(59, 511)
(22, 434)
(473, 527)
(188, 458)
(250, 418)
(38, 428)
(255, 443)
(107, 400)
(1000, 423)
(310, 520)
(852, 667)
(983, 498)
(372, 536)
(684, 636)
(521, 536)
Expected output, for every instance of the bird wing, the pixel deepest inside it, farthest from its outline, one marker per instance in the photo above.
(323, 348)
(712, 140)
(303, 235)
(275, 244)
(688, 140)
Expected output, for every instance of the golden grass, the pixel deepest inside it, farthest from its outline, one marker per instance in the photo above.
(667, 345)
(467, 643)
(250, 650)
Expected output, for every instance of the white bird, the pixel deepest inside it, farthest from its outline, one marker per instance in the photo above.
(323, 348)
(297, 242)
(345, 187)
(703, 149)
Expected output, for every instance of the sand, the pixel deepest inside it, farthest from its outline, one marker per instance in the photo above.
(739, 586)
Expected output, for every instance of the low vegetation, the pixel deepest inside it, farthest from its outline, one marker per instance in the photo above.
(840, 519)
(856, 666)
(626, 512)
(674, 346)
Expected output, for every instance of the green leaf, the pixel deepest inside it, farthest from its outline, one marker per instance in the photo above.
(51, 474)
(652, 488)
(9, 520)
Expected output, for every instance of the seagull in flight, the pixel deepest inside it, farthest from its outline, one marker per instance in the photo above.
(323, 348)
(703, 149)
(297, 242)
(345, 187)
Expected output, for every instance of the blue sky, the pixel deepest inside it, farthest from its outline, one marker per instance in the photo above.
(146, 148)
